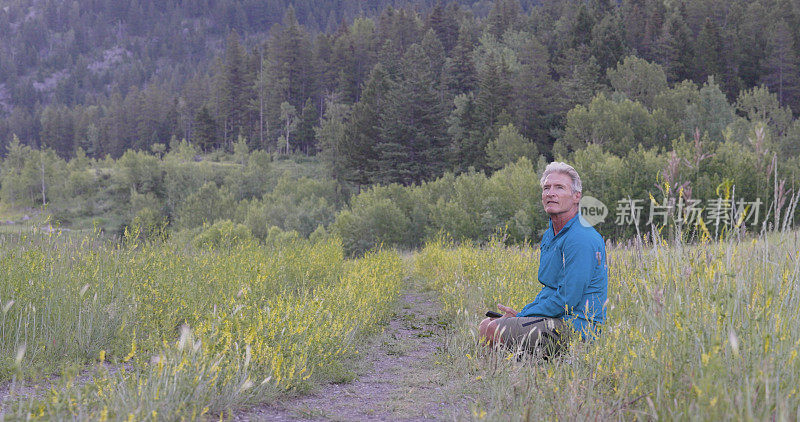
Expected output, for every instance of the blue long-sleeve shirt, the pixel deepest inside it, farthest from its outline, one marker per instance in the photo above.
(573, 272)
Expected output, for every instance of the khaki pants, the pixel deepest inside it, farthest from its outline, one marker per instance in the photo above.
(532, 333)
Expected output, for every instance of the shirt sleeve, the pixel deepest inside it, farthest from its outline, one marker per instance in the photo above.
(579, 260)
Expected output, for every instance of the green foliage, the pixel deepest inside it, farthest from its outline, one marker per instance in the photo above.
(223, 234)
(711, 113)
(638, 79)
(411, 145)
(790, 143)
(375, 218)
(139, 172)
(578, 76)
(759, 106)
(31, 177)
(253, 178)
(675, 47)
(508, 147)
(209, 204)
(151, 224)
(470, 206)
(675, 102)
(610, 178)
(618, 126)
(708, 61)
(331, 139)
(781, 64)
(406, 95)
(261, 73)
(300, 205)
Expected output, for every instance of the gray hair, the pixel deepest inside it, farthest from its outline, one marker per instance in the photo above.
(559, 167)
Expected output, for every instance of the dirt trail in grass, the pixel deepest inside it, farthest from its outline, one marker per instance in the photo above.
(398, 379)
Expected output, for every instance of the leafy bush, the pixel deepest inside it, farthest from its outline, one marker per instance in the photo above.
(372, 221)
(223, 234)
(206, 206)
(294, 204)
(471, 206)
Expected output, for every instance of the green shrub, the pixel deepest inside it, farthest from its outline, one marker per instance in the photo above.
(223, 234)
(151, 224)
(206, 206)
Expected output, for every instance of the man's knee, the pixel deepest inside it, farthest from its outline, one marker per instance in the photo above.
(482, 326)
(487, 328)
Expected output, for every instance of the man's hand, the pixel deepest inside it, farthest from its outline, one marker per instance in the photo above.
(507, 312)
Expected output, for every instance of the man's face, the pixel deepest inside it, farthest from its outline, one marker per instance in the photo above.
(557, 194)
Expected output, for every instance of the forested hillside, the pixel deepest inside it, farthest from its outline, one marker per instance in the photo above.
(106, 76)
(676, 99)
(81, 66)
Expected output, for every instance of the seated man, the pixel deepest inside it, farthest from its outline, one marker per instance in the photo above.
(572, 270)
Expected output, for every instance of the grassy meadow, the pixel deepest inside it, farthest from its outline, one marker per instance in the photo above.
(137, 330)
(701, 332)
(170, 332)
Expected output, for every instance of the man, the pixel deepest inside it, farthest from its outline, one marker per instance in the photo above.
(572, 270)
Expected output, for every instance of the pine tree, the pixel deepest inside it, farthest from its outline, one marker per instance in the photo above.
(309, 118)
(205, 130)
(635, 22)
(674, 48)
(444, 23)
(460, 67)
(534, 101)
(753, 42)
(433, 50)
(289, 66)
(289, 123)
(234, 88)
(608, 41)
(494, 91)
(412, 145)
(578, 76)
(401, 26)
(343, 63)
(325, 71)
(465, 135)
(331, 137)
(656, 12)
(58, 130)
(582, 29)
(504, 15)
(362, 130)
(708, 59)
(782, 66)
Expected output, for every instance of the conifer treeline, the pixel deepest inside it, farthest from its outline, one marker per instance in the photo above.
(406, 96)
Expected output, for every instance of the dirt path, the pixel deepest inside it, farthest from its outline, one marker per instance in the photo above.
(400, 378)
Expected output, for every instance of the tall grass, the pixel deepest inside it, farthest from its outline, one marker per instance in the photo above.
(708, 331)
(704, 331)
(192, 331)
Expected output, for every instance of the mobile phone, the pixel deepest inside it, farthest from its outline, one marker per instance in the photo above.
(493, 314)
